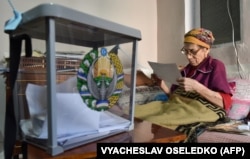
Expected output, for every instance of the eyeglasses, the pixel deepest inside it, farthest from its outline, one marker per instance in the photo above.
(189, 51)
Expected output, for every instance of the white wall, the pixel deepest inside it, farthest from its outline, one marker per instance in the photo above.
(171, 28)
(126, 12)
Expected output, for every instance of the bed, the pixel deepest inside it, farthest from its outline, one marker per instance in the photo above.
(239, 112)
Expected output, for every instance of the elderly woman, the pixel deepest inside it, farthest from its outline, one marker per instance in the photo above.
(204, 74)
(202, 94)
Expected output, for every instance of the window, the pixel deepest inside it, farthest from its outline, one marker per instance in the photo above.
(218, 16)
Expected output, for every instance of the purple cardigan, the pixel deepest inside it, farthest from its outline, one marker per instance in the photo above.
(211, 73)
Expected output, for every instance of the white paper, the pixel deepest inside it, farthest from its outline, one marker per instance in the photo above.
(74, 118)
(110, 121)
(168, 72)
(36, 98)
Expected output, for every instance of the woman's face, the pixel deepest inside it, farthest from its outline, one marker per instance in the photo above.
(194, 53)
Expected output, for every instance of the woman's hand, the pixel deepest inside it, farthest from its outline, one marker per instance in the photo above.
(188, 84)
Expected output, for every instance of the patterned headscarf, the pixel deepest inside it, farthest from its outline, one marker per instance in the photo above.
(200, 36)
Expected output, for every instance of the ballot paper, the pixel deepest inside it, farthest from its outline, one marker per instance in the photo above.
(73, 119)
(168, 72)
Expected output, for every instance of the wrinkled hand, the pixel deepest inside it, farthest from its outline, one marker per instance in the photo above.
(188, 84)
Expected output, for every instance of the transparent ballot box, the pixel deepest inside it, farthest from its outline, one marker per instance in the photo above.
(68, 92)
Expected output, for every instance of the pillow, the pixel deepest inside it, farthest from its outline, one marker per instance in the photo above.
(141, 79)
(239, 109)
(242, 89)
(240, 100)
(147, 71)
